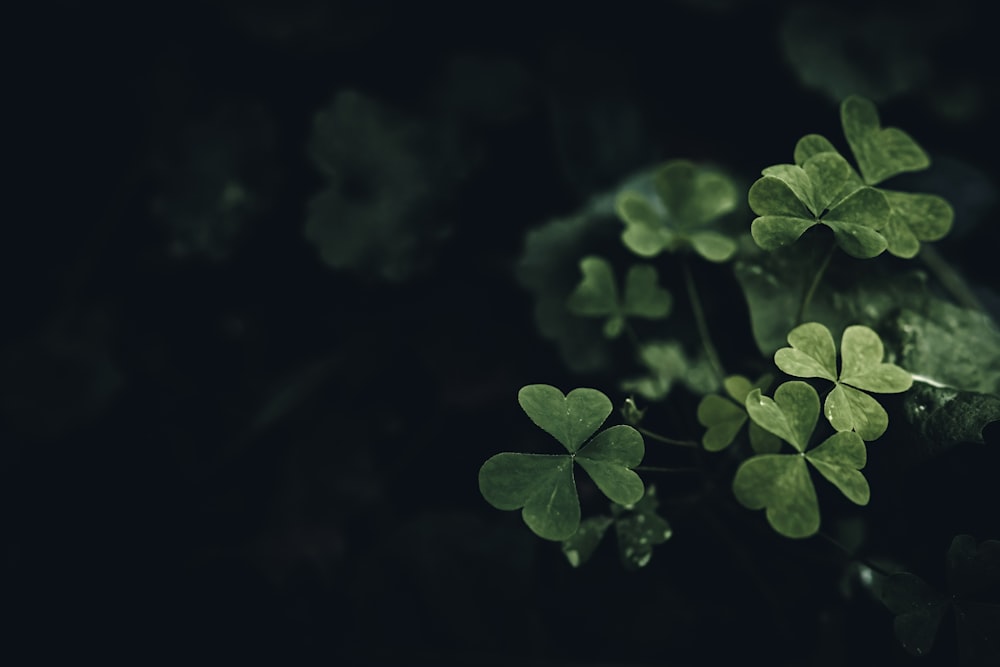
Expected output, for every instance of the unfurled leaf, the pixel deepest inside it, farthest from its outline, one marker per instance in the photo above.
(881, 152)
(780, 483)
(839, 459)
(541, 484)
(791, 414)
(812, 353)
(608, 459)
(915, 217)
(570, 419)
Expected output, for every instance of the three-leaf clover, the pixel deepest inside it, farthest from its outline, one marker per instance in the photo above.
(781, 482)
(818, 189)
(820, 174)
(543, 485)
(685, 201)
(847, 407)
(597, 295)
(724, 417)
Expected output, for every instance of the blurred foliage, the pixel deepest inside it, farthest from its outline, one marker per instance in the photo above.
(275, 271)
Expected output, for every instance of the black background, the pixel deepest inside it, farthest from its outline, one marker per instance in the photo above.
(352, 531)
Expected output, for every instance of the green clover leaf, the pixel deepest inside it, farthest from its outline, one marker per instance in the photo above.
(789, 199)
(791, 414)
(597, 295)
(780, 483)
(881, 152)
(915, 217)
(724, 417)
(543, 485)
(685, 201)
(847, 407)
(857, 213)
(885, 152)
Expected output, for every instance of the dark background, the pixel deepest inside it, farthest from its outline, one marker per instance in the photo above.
(233, 451)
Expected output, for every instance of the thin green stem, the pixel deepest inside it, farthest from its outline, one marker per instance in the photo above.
(670, 441)
(699, 318)
(807, 297)
(949, 278)
(633, 337)
(864, 561)
(660, 469)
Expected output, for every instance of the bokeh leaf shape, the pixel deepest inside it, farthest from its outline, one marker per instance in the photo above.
(723, 417)
(542, 485)
(581, 545)
(973, 580)
(790, 199)
(639, 528)
(597, 295)
(881, 152)
(668, 365)
(847, 407)
(780, 483)
(678, 213)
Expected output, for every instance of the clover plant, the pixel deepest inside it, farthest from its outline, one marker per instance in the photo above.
(910, 329)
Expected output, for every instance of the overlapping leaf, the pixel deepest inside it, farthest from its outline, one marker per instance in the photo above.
(847, 406)
(780, 483)
(791, 198)
(724, 417)
(597, 295)
(821, 187)
(638, 527)
(543, 486)
(882, 153)
(679, 212)
(973, 580)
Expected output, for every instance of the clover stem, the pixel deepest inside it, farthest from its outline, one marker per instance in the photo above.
(949, 278)
(699, 318)
(847, 552)
(659, 469)
(632, 337)
(807, 297)
(662, 438)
